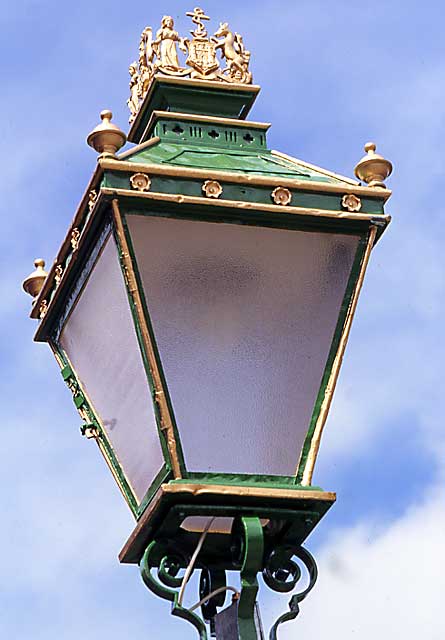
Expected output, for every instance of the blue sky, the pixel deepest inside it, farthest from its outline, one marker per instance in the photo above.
(332, 78)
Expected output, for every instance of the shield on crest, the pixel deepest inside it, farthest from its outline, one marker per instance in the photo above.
(202, 56)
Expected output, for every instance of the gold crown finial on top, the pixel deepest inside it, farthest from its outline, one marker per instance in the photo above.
(34, 282)
(159, 55)
(106, 138)
(373, 168)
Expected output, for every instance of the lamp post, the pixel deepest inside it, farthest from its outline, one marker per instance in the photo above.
(199, 309)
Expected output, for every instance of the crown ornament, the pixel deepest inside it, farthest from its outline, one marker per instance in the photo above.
(159, 55)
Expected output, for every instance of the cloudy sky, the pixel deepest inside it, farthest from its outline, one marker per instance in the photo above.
(332, 77)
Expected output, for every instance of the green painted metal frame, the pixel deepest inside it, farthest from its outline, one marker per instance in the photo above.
(238, 192)
(216, 134)
(244, 479)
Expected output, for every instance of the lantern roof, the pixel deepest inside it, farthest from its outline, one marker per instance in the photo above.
(194, 147)
(221, 144)
(198, 103)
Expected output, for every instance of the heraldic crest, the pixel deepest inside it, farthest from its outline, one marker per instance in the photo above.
(159, 55)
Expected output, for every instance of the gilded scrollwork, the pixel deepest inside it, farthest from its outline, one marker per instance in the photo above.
(75, 235)
(160, 55)
(92, 199)
(43, 309)
(58, 274)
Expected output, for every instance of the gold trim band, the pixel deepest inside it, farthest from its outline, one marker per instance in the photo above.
(249, 206)
(139, 147)
(242, 178)
(251, 492)
(166, 419)
(332, 382)
(209, 84)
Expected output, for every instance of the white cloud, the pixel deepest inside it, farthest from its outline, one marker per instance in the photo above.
(380, 585)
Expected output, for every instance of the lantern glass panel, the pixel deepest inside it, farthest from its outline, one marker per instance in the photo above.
(244, 318)
(100, 341)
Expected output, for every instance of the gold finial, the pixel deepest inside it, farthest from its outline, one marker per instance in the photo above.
(34, 282)
(373, 168)
(106, 138)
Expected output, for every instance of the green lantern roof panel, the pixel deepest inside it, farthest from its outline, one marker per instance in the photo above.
(264, 163)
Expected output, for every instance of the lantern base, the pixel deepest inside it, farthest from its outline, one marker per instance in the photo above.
(287, 516)
(282, 567)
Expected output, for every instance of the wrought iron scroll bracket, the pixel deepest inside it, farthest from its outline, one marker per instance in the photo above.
(281, 573)
(168, 563)
(280, 566)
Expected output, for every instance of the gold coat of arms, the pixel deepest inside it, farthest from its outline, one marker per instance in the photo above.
(202, 58)
(158, 55)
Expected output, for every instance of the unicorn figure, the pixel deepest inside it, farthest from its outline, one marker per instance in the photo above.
(235, 53)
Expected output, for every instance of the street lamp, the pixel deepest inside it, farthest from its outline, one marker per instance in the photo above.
(199, 308)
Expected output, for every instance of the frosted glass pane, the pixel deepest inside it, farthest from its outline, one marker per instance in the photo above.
(244, 318)
(100, 340)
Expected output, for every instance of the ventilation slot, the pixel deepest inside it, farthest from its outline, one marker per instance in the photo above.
(196, 132)
(231, 136)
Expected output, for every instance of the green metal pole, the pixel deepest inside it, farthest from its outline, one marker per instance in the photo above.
(241, 621)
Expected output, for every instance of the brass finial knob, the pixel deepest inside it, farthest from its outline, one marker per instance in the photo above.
(34, 282)
(373, 168)
(106, 138)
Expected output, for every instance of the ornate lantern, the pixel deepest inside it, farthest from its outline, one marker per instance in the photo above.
(199, 308)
